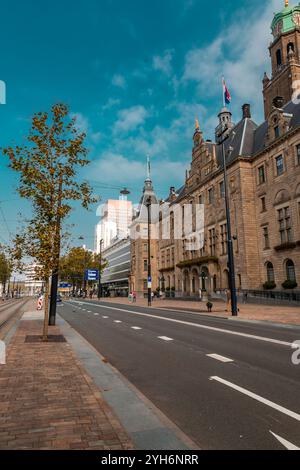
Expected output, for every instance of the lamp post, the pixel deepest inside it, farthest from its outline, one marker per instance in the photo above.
(148, 205)
(100, 267)
(232, 286)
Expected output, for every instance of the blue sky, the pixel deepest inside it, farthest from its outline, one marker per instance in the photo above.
(136, 74)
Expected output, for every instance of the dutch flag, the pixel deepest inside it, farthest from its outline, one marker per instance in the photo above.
(226, 94)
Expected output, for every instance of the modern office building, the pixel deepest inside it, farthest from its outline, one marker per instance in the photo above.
(115, 277)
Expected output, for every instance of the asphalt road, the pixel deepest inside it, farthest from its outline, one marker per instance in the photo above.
(251, 402)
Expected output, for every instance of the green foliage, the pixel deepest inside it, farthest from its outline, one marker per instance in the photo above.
(288, 284)
(75, 262)
(269, 285)
(5, 267)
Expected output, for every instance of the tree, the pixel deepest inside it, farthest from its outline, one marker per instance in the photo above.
(5, 268)
(74, 264)
(47, 164)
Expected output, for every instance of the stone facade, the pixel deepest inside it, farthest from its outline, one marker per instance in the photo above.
(263, 164)
(263, 169)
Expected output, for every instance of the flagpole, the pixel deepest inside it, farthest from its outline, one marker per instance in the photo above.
(223, 92)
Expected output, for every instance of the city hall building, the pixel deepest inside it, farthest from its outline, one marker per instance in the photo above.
(263, 165)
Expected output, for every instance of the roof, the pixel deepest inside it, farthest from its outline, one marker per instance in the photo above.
(286, 19)
(246, 140)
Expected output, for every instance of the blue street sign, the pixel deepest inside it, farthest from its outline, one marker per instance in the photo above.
(65, 285)
(91, 275)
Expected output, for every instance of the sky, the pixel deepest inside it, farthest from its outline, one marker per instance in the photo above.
(135, 74)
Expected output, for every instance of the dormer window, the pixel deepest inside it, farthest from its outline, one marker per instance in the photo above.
(276, 132)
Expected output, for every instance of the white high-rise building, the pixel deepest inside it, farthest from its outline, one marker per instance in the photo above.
(116, 218)
(33, 285)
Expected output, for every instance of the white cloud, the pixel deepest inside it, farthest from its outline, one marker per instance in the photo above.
(163, 63)
(83, 125)
(111, 102)
(131, 118)
(240, 53)
(82, 122)
(113, 166)
(119, 81)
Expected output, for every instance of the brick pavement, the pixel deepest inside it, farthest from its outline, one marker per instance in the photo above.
(273, 313)
(47, 401)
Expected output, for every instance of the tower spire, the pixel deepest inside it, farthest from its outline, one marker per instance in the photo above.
(148, 168)
(286, 3)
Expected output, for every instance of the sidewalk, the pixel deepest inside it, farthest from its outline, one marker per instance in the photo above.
(273, 313)
(47, 399)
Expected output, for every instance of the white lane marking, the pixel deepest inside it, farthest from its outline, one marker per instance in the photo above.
(104, 317)
(88, 311)
(269, 403)
(117, 321)
(288, 445)
(96, 314)
(219, 358)
(165, 338)
(136, 328)
(205, 327)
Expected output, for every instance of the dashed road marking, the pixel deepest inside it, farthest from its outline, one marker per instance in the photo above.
(165, 338)
(136, 328)
(219, 358)
(117, 321)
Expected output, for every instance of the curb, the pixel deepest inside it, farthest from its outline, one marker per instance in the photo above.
(223, 317)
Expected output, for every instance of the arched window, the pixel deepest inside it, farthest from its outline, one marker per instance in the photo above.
(278, 57)
(270, 272)
(290, 271)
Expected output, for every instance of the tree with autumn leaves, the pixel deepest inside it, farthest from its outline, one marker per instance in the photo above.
(5, 268)
(74, 264)
(47, 164)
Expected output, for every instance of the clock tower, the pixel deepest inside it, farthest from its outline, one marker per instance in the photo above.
(285, 57)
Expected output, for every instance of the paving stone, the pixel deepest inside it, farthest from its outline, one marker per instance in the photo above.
(49, 402)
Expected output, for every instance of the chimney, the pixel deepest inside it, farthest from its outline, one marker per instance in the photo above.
(246, 111)
(278, 102)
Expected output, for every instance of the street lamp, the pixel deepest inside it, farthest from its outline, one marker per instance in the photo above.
(232, 286)
(100, 267)
(148, 205)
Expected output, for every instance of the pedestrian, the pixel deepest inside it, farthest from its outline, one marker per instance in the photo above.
(134, 297)
(209, 307)
(245, 297)
(152, 296)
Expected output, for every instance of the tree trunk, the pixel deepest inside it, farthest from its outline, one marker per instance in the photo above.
(46, 309)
